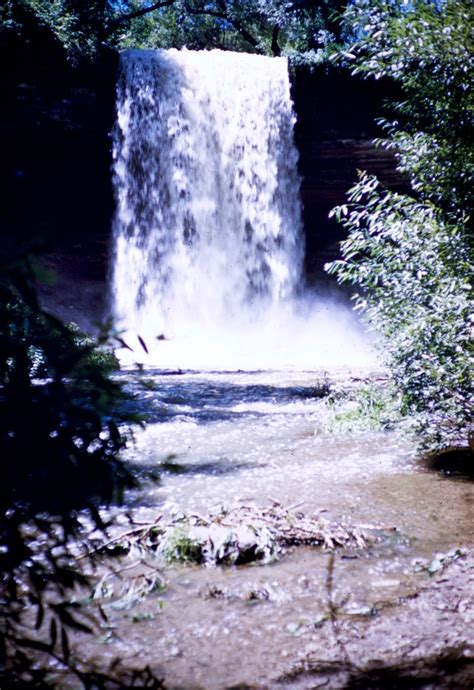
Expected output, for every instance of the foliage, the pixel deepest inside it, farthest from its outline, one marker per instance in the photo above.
(68, 417)
(302, 30)
(267, 27)
(428, 50)
(359, 407)
(97, 354)
(411, 255)
(60, 444)
(413, 268)
(79, 27)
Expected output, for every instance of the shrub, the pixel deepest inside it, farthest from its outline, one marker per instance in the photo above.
(413, 268)
(60, 441)
(410, 255)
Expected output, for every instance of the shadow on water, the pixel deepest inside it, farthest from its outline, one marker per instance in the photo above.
(171, 466)
(159, 399)
(455, 463)
(432, 672)
(220, 467)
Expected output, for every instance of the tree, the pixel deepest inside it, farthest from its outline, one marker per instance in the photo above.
(427, 48)
(79, 27)
(410, 255)
(61, 419)
(302, 30)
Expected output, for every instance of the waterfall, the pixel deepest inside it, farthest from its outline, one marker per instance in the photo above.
(208, 242)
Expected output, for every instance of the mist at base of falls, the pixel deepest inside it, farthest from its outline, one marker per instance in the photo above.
(208, 238)
(317, 334)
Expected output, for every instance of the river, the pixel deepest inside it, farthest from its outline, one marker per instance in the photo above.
(220, 440)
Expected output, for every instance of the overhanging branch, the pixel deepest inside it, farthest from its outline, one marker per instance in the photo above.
(276, 50)
(233, 22)
(218, 14)
(140, 13)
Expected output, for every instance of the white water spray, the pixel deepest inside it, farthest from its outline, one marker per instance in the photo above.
(208, 243)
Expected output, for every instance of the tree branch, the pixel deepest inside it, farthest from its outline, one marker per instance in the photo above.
(139, 13)
(276, 50)
(234, 22)
(246, 35)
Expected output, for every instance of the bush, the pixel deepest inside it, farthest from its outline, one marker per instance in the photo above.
(60, 441)
(410, 255)
(426, 48)
(413, 270)
(97, 354)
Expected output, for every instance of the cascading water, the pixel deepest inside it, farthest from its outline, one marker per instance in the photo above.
(208, 244)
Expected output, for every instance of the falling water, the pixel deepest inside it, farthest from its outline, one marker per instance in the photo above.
(208, 246)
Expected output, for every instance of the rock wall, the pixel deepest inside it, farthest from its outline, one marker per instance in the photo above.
(335, 129)
(55, 168)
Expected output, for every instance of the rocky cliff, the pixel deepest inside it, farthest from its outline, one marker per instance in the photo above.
(336, 126)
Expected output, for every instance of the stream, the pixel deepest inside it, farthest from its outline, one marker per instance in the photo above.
(220, 440)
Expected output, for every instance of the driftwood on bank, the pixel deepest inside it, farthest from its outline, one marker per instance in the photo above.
(239, 535)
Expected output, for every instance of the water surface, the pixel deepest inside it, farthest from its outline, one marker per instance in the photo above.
(229, 439)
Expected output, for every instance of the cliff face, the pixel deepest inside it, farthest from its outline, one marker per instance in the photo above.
(55, 168)
(335, 128)
(56, 164)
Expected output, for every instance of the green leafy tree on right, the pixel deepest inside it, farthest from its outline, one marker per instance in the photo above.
(411, 255)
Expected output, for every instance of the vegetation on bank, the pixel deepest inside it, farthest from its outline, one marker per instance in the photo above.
(410, 255)
(60, 439)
